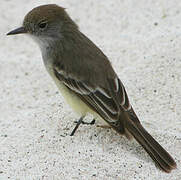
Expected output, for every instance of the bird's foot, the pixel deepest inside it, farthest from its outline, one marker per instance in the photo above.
(80, 121)
(87, 123)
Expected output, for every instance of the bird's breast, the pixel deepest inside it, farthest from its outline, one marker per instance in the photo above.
(71, 98)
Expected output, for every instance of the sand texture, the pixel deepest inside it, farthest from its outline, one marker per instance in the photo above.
(143, 41)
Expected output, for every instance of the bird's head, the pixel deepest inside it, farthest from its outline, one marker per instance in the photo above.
(45, 24)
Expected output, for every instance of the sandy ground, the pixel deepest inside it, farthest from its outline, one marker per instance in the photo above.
(143, 41)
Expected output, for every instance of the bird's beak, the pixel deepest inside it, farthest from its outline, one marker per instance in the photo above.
(20, 30)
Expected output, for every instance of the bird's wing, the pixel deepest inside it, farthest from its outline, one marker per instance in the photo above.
(107, 102)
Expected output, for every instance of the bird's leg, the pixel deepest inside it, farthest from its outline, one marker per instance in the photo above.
(88, 123)
(77, 125)
(80, 121)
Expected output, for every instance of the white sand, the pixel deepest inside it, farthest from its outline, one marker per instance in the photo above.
(143, 41)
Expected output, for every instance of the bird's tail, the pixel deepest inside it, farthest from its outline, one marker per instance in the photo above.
(159, 155)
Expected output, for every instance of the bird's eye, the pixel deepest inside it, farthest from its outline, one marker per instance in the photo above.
(42, 25)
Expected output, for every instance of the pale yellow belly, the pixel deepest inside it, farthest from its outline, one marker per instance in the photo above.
(73, 100)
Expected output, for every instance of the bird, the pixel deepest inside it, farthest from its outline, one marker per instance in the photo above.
(86, 78)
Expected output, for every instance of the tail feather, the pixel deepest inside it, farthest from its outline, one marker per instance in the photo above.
(151, 146)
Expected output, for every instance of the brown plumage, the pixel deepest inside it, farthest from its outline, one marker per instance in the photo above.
(85, 76)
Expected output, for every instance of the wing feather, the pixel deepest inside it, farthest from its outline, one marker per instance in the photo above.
(108, 103)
